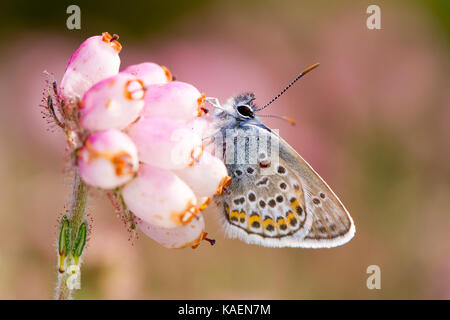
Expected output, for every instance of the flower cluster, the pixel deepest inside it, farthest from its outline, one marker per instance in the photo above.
(139, 133)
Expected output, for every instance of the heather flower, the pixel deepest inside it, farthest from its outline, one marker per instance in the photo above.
(137, 134)
(97, 58)
(165, 143)
(200, 126)
(149, 73)
(175, 100)
(114, 102)
(207, 166)
(107, 159)
(179, 237)
(141, 115)
(160, 198)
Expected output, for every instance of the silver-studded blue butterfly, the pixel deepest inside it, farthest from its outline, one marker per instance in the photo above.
(275, 198)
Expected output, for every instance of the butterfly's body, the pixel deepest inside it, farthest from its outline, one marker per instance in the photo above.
(275, 198)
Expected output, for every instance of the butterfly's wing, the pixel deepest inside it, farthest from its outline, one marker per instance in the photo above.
(287, 206)
(331, 224)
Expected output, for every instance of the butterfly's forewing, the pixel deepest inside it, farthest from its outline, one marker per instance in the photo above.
(292, 207)
(331, 225)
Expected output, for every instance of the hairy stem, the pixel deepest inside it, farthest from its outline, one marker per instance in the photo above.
(77, 212)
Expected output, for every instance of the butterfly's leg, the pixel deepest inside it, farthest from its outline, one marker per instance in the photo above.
(213, 101)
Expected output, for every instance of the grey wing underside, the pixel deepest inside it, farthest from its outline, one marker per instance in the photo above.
(280, 201)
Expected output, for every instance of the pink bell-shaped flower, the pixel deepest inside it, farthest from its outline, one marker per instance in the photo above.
(206, 177)
(114, 102)
(189, 235)
(165, 143)
(97, 58)
(149, 73)
(107, 159)
(175, 100)
(160, 198)
(200, 126)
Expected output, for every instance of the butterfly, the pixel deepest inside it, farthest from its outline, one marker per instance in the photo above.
(275, 198)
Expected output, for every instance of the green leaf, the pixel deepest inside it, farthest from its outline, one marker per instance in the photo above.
(64, 236)
(80, 241)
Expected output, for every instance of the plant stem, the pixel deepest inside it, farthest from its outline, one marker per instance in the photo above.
(77, 212)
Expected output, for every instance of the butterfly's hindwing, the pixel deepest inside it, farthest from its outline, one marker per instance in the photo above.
(292, 206)
(331, 225)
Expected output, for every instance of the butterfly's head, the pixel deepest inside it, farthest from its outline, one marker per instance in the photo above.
(237, 110)
(241, 109)
(243, 106)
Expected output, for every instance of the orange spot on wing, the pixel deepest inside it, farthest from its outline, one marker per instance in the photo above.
(281, 223)
(254, 218)
(268, 222)
(234, 216)
(242, 216)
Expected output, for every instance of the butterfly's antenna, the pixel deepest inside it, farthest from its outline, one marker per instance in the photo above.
(290, 85)
(288, 119)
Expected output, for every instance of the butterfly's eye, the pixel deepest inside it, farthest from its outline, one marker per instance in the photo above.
(245, 111)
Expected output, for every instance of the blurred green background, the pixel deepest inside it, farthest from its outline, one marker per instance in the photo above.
(373, 120)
